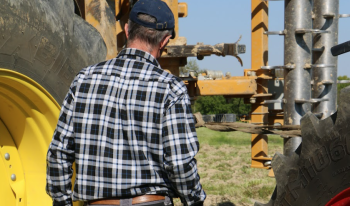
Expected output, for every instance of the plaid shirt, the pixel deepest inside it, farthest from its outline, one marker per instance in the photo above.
(128, 126)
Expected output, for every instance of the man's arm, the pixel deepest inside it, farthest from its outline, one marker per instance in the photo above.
(60, 156)
(180, 147)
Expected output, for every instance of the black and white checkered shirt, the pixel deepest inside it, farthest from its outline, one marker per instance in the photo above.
(128, 126)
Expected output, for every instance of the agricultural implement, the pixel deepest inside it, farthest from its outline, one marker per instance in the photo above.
(43, 44)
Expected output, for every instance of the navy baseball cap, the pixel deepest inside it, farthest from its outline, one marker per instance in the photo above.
(157, 9)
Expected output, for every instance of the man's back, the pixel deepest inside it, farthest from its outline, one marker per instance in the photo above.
(128, 126)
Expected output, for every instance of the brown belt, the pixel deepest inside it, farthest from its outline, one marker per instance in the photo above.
(135, 200)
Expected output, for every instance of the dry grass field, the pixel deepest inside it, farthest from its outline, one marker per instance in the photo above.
(224, 168)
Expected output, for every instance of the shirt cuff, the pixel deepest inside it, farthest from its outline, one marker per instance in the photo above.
(68, 202)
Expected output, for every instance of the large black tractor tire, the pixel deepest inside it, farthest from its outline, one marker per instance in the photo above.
(46, 41)
(320, 168)
(43, 45)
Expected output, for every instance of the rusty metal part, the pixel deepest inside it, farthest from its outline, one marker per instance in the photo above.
(232, 86)
(101, 16)
(221, 49)
(201, 50)
(182, 9)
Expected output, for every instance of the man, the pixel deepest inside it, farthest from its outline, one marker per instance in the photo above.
(128, 126)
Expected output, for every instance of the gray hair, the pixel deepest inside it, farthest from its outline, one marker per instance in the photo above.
(151, 37)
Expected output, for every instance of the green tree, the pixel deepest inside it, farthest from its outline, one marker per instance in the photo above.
(219, 105)
(238, 106)
(211, 105)
(192, 65)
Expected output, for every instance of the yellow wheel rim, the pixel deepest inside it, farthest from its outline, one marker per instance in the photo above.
(28, 117)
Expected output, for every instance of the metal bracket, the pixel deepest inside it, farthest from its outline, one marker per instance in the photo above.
(312, 101)
(327, 82)
(313, 31)
(344, 15)
(343, 81)
(328, 16)
(275, 32)
(292, 66)
(200, 50)
(322, 65)
(273, 101)
(318, 49)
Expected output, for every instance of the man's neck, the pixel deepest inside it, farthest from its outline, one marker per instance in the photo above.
(136, 44)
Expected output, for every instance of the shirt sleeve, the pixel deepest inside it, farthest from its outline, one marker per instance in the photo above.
(180, 147)
(60, 156)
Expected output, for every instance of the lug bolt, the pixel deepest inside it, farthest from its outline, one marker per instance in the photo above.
(267, 163)
(7, 156)
(13, 177)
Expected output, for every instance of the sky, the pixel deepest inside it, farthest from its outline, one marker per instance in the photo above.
(223, 21)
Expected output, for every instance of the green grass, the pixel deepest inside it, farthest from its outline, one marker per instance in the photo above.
(224, 167)
(214, 138)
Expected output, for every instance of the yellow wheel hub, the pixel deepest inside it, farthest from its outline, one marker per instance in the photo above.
(28, 116)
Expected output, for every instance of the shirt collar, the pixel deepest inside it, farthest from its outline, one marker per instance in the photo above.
(142, 54)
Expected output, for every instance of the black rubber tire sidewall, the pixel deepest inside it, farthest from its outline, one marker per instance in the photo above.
(47, 42)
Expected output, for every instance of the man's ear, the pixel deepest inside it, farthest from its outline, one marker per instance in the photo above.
(165, 41)
(126, 30)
